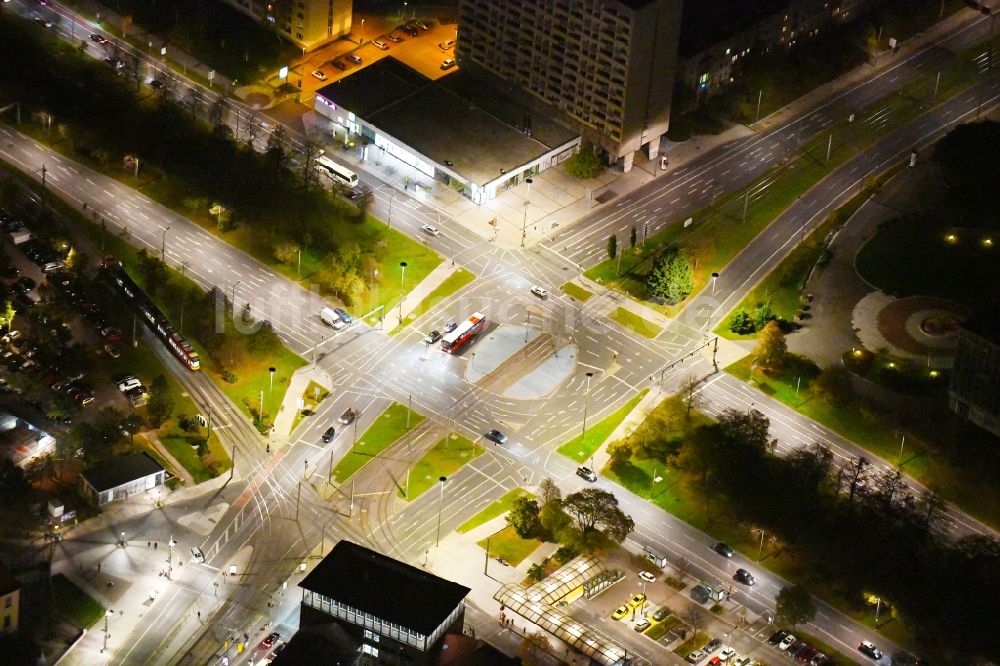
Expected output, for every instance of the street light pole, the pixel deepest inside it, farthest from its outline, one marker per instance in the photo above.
(235, 284)
(586, 404)
(402, 288)
(163, 245)
(715, 276)
(437, 540)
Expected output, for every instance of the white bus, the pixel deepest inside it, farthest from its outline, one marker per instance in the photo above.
(337, 172)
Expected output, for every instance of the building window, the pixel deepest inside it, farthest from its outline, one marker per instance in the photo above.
(6, 622)
(368, 649)
(8, 602)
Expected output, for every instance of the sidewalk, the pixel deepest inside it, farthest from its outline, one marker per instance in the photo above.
(296, 388)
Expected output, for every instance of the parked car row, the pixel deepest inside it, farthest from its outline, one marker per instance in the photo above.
(797, 650)
(133, 389)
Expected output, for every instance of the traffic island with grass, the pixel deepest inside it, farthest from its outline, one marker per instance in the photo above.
(447, 457)
(576, 291)
(494, 510)
(448, 287)
(582, 447)
(389, 427)
(508, 546)
(311, 397)
(632, 321)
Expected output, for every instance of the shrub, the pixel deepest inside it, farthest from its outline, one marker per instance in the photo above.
(741, 323)
(585, 164)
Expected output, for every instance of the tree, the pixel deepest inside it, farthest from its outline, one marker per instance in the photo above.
(548, 492)
(833, 385)
(692, 615)
(871, 41)
(632, 238)
(152, 271)
(286, 252)
(524, 517)
(585, 164)
(161, 403)
(771, 350)
(750, 428)
(532, 646)
(762, 315)
(621, 454)
(554, 520)
(536, 572)
(741, 323)
(612, 246)
(672, 276)
(593, 509)
(7, 318)
(795, 606)
(689, 394)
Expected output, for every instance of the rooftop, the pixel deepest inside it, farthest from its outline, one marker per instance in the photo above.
(362, 579)
(121, 470)
(707, 22)
(476, 132)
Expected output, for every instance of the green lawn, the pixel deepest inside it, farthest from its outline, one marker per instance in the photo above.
(576, 291)
(311, 397)
(498, 508)
(970, 487)
(636, 323)
(581, 447)
(74, 603)
(508, 545)
(694, 642)
(451, 284)
(254, 380)
(446, 458)
(387, 429)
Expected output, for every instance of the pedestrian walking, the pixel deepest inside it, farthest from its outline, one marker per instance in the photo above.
(199, 616)
(98, 567)
(156, 545)
(148, 544)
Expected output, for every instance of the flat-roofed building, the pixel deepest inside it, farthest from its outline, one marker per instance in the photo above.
(121, 478)
(605, 67)
(974, 393)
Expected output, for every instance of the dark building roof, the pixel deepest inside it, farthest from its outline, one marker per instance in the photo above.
(706, 22)
(384, 587)
(121, 470)
(8, 583)
(374, 87)
(986, 324)
(326, 644)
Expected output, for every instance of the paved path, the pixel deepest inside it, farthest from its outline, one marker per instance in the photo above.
(178, 468)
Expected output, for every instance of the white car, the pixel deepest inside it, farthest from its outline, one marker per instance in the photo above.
(197, 555)
(726, 653)
(448, 63)
(319, 74)
(379, 44)
(129, 385)
(648, 577)
(786, 642)
(539, 292)
(429, 230)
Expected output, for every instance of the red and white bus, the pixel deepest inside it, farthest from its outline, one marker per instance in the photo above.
(468, 329)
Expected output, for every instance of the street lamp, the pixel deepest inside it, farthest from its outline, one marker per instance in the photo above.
(163, 245)
(122, 539)
(524, 220)
(271, 370)
(402, 287)
(437, 541)
(107, 615)
(234, 296)
(715, 276)
(586, 403)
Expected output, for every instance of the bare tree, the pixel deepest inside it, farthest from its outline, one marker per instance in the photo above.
(548, 491)
(692, 615)
(855, 475)
(890, 483)
(194, 102)
(689, 394)
(933, 506)
(309, 151)
(217, 114)
(253, 128)
(683, 566)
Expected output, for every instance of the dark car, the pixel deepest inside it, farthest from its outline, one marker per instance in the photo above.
(411, 30)
(10, 272)
(339, 66)
(496, 436)
(744, 576)
(328, 435)
(777, 637)
(355, 59)
(723, 549)
(99, 39)
(868, 649)
(586, 473)
(794, 648)
(394, 38)
(420, 24)
(432, 337)
(269, 641)
(713, 645)
(347, 418)
(24, 285)
(344, 316)
(805, 655)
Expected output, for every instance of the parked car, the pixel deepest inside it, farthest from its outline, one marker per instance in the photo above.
(318, 73)
(420, 24)
(744, 576)
(432, 337)
(723, 549)
(328, 435)
(447, 63)
(777, 637)
(786, 642)
(337, 65)
(805, 655)
(620, 612)
(696, 656)
(539, 292)
(648, 577)
(661, 614)
(379, 44)
(586, 473)
(742, 661)
(344, 315)
(347, 418)
(726, 653)
(410, 30)
(868, 649)
(355, 59)
(496, 436)
(394, 38)
(713, 645)
(642, 625)
(269, 641)
(111, 334)
(638, 599)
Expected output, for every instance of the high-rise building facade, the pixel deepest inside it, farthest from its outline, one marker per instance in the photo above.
(605, 66)
(306, 23)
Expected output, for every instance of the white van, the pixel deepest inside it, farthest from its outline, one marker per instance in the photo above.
(331, 318)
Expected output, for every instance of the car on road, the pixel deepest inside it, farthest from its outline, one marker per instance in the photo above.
(638, 599)
(347, 418)
(355, 59)
(45, 23)
(430, 230)
(697, 656)
(432, 337)
(379, 44)
(496, 436)
(539, 292)
(642, 625)
(744, 576)
(318, 73)
(328, 435)
(723, 549)
(586, 473)
(447, 63)
(648, 577)
(868, 649)
(786, 642)
(344, 315)
(620, 612)
(99, 39)
(450, 326)
(777, 637)
(726, 653)
(269, 641)
(197, 555)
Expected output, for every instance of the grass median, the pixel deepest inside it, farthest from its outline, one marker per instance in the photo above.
(74, 603)
(497, 508)
(582, 447)
(576, 291)
(387, 429)
(449, 286)
(447, 457)
(634, 322)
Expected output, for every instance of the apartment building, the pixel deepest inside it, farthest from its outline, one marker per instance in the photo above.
(306, 23)
(604, 67)
(974, 393)
(10, 602)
